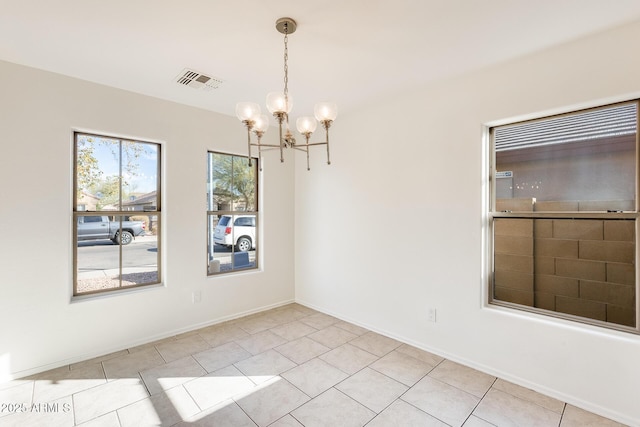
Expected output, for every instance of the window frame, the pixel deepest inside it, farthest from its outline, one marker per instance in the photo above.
(77, 213)
(233, 214)
(492, 214)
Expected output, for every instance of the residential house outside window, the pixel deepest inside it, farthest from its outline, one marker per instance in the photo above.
(232, 214)
(116, 241)
(564, 214)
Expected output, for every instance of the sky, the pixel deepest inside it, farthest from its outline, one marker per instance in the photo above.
(144, 180)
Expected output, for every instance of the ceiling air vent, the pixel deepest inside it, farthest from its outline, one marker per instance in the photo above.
(197, 80)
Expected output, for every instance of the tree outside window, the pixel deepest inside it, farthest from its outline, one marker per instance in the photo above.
(115, 233)
(232, 214)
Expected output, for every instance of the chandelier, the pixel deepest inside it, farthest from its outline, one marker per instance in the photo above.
(279, 104)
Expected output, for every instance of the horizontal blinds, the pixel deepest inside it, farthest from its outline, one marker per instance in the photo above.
(594, 124)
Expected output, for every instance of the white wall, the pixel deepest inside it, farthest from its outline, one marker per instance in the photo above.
(396, 224)
(39, 327)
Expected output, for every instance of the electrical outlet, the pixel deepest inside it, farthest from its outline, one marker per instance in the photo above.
(196, 297)
(431, 315)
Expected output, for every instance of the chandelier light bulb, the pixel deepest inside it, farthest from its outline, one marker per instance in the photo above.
(306, 125)
(247, 111)
(278, 103)
(261, 123)
(325, 111)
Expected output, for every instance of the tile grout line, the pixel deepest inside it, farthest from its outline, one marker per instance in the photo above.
(529, 400)
(191, 396)
(564, 408)
(299, 406)
(479, 402)
(118, 418)
(409, 389)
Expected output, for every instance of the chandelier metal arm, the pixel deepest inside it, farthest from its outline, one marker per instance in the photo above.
(305, 148)
(268, 147)
(249, 124)
(311, 144)
(274, 146)
(283, 143)
(280, 117)
(326, 128)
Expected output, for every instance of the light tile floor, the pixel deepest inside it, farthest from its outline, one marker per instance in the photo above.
(290, 366)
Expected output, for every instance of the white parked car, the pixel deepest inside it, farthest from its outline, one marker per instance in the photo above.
(240, 232)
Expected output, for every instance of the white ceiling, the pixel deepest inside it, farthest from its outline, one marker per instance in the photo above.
(347, 51)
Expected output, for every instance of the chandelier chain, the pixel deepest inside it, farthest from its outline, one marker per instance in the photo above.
(286, 65)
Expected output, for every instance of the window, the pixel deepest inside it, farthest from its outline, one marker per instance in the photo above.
(247, 221)
(564, 214)
(232, 214)
(114, 248)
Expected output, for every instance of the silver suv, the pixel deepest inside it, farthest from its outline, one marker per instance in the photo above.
(240, 232)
